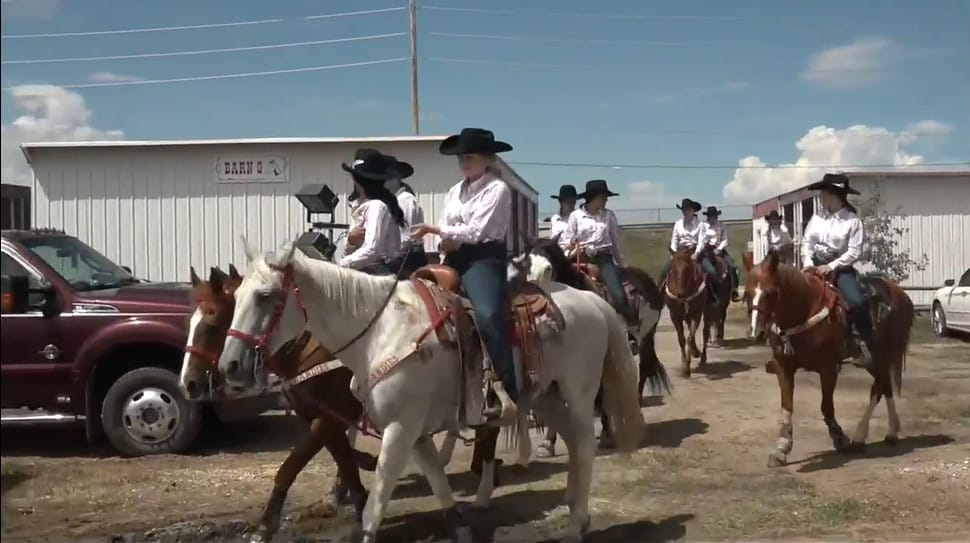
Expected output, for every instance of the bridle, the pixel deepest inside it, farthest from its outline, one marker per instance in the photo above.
(686, 300)
(210, 357)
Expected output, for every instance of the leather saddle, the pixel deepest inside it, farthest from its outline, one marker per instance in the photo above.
(874, 290)
(592, 273)
(720, 265)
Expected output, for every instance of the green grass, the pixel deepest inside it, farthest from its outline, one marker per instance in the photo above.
(648, 250)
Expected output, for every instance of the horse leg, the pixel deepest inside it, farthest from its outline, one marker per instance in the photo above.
(582, 451)
(829, 377)
(298, 458)
(606, 438)
(786, 382)
(692, 327)
(524, 439)
(427, 458)
(448, 447)
(484, 465)
(706, 338)
(684, 357)
(862, 430)
(547, 449)
(397, 443)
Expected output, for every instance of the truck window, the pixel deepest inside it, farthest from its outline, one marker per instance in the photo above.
(81, 266)
(9, 266)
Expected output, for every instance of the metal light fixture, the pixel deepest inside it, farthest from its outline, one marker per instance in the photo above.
(316, 245)
(318, 199)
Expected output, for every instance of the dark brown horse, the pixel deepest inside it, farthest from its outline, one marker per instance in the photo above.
(564, 271)
(688, 303)
(808, 321)
(324, 400)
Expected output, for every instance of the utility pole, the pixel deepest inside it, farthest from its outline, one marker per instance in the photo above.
(413, 16)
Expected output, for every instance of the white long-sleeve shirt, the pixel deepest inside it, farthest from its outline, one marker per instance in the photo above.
(835, 238)
(477, 211)
(382, 237)
(413, 214)
(686, 234)
(558, 225)
(776, 238)
(593, 232)
(713, 235)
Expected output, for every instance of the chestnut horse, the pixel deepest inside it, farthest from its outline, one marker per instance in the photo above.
(809, 322)
(688, 302)
(564, 271)
(328, 420)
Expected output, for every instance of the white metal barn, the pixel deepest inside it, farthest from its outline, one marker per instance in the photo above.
(161, 206)
(937, 216)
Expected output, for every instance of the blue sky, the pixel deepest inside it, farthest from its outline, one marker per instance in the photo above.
(695, 82)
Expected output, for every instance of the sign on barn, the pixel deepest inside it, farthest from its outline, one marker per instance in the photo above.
(252, 169)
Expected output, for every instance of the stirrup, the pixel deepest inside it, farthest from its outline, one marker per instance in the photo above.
(508, 412)
(864, 360)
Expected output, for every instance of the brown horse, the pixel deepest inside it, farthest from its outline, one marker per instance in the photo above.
(568, 273)
(322, 397)
(715, 314)
(808, 320)
(688, 302)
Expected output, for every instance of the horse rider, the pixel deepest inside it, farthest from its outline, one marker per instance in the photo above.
(382, 218)
(473, 228)
(832, 244)
(685, 235)
(414, 255)
(777, 237)
(567, 203)
(592, 234)
(714, 238)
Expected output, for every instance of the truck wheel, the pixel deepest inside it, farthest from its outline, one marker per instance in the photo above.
(144, 413)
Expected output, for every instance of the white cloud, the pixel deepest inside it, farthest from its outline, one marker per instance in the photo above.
(822, 146)
(736, 86)
(857, 64)
(52, 114)
(31, 10)
(111, 77)
(641, 202)
(925, 130)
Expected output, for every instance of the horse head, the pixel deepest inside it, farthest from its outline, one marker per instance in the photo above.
(212, 310)
(685, 276)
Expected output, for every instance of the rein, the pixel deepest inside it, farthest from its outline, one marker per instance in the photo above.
(785, 334)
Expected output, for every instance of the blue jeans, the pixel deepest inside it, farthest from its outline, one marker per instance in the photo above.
(711, 271)
(848, 284)
(613, 279)
(486, 285)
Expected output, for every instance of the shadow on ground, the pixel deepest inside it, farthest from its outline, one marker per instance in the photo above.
(672, 433)
(716, 370)
(465, 483)
(828, 460)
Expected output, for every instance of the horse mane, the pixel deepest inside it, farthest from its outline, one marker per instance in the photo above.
(354, 290)
(562, 269)
(645, 286)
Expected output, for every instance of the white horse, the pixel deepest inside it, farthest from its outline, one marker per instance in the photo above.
(416, 392)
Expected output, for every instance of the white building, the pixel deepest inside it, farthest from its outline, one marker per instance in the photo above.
(937, 216)
(162, 206)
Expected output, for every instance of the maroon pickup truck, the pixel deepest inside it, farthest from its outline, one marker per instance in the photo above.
(83, 339)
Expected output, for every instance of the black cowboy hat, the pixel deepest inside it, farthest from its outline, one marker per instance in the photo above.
(566, 191)
(403, 169)
(773, 215)
(595, 187)
(836, 183)
(687, 203)
(473, 141)
(369, 165)
(711, 210)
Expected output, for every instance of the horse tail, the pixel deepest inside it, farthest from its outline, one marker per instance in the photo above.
(899, 334)
(651, 369)
(621, 401)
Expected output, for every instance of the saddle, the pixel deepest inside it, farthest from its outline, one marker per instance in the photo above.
(874, 290)
(595, 283)
(720, 265)
(453, 322)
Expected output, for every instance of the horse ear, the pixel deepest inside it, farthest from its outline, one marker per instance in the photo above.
(773, 261)
(234, 273)
(286, 253)
(217, 279)
(250, 253)
(194, 277)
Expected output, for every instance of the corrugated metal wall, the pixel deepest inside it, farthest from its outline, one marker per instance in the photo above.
(937, 220)
(160, 210)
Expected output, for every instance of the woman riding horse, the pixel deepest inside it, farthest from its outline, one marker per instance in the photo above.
(713, 237)
(473, 228)
(592, 233)
(777, 237)
(567, 203)
(832, 245)
(380, 250)
(685, 235)
(414, 255)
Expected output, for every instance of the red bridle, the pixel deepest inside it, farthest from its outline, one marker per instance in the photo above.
(205, 354)
(260, 342)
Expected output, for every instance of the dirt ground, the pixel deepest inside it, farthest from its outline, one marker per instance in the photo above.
(702, 474)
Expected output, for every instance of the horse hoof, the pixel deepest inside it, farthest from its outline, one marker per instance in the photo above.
(891, 440)
(776, 460)
(841, 443)
(545, 450)
(259, 537)
(856, 447)
(360, 536)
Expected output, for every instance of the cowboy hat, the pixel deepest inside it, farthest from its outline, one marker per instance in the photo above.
(566, 191)
(687, 203)
(711, 210)
(403, 169)
(473, 141)
(595, 187)
(836, 183)
(369, 165)
(774, 215)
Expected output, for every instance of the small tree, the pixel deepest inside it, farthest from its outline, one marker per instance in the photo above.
(881, 249)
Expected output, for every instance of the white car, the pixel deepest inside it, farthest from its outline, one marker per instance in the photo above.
(951, 306)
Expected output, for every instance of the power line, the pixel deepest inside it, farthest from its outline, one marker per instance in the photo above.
(731, 167)
(205, 51)
(199, 26)
(550, 40)
(588, 15)
(227, 76)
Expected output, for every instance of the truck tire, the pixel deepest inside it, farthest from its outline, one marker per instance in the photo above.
(145, 413)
